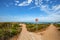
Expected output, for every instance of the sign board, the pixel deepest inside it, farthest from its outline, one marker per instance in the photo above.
(36, 19)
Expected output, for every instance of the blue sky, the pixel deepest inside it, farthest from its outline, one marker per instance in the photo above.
(29, 10)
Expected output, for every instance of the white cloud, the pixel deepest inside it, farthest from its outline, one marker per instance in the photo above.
(53, 13)
(38, 2)
(17, 1)
(16, 19)
(46, 9)
(29, 1)
(49, 18)
(57, 7)
(33, 7)
(25, 3)
(54, 10)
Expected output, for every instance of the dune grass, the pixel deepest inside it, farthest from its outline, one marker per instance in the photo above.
(58, 26)
(8, 30)
(34, 27)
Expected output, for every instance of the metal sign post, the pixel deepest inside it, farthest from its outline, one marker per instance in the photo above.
(36, 23)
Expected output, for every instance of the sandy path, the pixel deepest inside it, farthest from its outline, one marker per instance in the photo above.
(51, 33)
(25, 35)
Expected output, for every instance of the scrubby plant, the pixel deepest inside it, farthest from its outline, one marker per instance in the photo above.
(34, 27)
(8, 30)
(58, 26)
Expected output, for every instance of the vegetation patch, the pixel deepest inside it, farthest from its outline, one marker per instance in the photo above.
(58, 26)
(36, 27)
(8, 30)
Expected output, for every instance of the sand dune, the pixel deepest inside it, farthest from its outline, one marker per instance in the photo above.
(51, 33)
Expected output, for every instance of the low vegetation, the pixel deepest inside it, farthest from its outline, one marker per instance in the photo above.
(36, 27)
(58, 26)
(8, 30)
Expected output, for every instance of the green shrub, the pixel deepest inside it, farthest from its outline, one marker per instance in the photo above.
(34, 27)
(8, 30)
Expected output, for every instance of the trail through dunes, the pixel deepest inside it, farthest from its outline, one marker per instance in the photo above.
(25, 35)
(51, 33)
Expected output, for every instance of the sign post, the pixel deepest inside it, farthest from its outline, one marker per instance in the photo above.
(36, 23)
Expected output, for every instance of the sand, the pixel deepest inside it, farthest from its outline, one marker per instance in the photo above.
(25, 35)
(51, 33)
